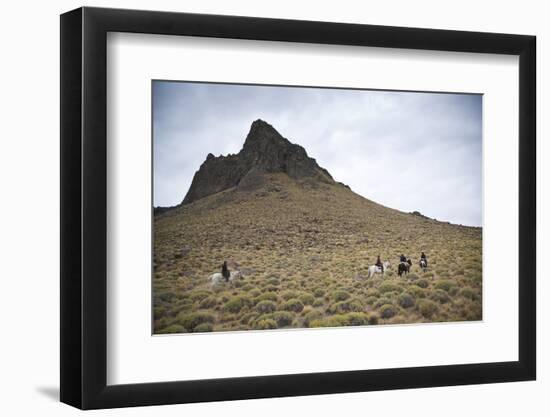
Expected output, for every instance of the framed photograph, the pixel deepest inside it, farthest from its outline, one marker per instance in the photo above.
(256, 208)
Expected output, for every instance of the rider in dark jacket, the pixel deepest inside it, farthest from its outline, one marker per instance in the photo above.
(402, 258)
(424, 258)
(379, 263)
(225, 271)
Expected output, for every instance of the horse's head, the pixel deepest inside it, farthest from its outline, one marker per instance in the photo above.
(409, 261)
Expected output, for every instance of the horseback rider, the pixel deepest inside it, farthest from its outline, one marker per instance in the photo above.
(379, 264)
(402, 258)
(424, 258)
(225, 271)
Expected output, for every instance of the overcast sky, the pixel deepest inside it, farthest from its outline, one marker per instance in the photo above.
(409, 151)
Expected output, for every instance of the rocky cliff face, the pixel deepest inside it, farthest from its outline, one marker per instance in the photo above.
(264, 151)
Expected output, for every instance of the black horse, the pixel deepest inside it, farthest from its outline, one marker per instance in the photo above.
(404, 267)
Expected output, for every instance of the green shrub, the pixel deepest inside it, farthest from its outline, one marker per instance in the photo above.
(427, 308)
(371, 300)
(208, 302)
(372, 292)
(191, 320)
(444, 284)
(265, 324)
(475, 277)
(174, 328)
(199, 295)
(289, 294)
(356, 319)
(311, 316)
(387, 311)
(331, 321)
(266, 306)
(440, 296)
(248, 317)
(389, 287)
(469, 294)
(235, 304)
(283, 318)
(255, 292)
(382, 301)
(272, 281)
(346, 306)
(318, 292)
(293, 305)
(271, 296)
(181, 306)
(318, 302)
(306, 298)
(406, 300)
(166, 296)
(158, 312)
(373, 319)
(203, 328)
(340, 295)
(422, 283)
(416, 292)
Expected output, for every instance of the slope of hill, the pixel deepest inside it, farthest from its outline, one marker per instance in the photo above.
(303, 243)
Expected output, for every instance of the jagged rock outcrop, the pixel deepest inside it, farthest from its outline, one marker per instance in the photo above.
(264, 151)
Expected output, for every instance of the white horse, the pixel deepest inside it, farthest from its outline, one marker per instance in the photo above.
(373, 269)
(218, 278)
(423, 264)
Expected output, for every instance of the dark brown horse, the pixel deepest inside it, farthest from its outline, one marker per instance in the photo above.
(404, 267)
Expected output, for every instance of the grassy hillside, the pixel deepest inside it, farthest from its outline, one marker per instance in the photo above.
(303, 248)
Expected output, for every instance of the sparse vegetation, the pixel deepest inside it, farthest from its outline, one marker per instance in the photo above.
(304, 268)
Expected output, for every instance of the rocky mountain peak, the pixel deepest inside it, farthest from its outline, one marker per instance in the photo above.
(262, 133)
(265, 150)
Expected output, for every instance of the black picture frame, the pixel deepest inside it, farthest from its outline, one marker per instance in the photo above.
(84, 207)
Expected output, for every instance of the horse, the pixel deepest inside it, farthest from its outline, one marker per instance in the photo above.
(423, 264)
(218, 278)
(404, 267)
(373, 269)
